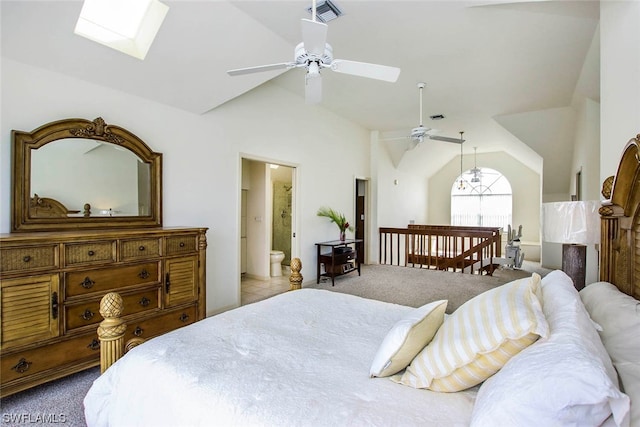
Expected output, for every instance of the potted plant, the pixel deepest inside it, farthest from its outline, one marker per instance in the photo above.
(338, 218)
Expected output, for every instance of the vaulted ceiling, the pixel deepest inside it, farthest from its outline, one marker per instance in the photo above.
(505, 73)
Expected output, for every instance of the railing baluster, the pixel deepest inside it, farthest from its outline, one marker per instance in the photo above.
(455, 248)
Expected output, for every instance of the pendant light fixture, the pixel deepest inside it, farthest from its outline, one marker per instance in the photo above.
(461, 184)
(475, 171)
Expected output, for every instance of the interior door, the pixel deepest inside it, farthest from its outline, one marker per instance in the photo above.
(360, 217)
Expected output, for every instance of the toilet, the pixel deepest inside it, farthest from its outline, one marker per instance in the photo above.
(276, 263)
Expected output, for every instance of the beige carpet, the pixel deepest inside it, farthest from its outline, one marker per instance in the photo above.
(414, 286)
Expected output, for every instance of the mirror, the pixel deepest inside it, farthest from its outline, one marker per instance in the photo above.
(78, 173)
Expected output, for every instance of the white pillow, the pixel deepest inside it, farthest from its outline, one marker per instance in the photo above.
(407, 337)
(479, 337)
(565, 379)
(615, 311)
(619, 316)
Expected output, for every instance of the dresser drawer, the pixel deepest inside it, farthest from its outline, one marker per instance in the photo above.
(89, 253)
(88, 313)
(28, 258)
(103, 280)
(186, 243)
(139, 248)
(148, 328)
(54, 356)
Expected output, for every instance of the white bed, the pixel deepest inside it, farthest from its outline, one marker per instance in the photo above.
(305, 358)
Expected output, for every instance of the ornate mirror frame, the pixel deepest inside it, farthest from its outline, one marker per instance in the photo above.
(33, 213)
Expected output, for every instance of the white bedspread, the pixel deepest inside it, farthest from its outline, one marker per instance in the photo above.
(301, 358)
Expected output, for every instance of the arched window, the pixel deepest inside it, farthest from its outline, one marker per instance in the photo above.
(481, 197)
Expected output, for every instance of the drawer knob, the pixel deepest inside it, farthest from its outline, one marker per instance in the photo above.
(87, 315)
(91, 253)
(144, 274)
(184, 317)
(144, 302)
(94, 344)
(87, 283)
(138, 331)
(27, 258)
(22, 366)
(141, 248)
(181, 244)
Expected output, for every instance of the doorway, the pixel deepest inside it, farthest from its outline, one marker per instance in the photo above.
(361, 223)
(267, 223)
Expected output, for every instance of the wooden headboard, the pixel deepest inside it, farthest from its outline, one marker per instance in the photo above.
(620, 223)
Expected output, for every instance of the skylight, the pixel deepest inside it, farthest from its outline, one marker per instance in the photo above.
(125, 25)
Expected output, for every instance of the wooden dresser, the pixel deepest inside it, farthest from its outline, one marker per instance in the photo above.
(51, 284)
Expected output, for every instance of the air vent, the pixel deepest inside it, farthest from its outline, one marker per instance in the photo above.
(437, 117)
(326, 11)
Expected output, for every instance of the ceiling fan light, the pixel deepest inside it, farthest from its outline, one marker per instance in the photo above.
(313, 71)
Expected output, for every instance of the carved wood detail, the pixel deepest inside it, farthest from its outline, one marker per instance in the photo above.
(620, 223)
(295, 280)
(45, 207)
(97, 128)
(111, 330)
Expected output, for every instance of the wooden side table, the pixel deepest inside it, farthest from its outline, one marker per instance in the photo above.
(342, 258)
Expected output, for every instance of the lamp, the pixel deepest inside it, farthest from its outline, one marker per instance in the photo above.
(575, 225)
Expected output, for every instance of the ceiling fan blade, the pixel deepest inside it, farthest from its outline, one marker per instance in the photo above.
(447, 139)
(397, 138)
(313, 89)
(364, 69)
(314, 36)
(261, 68)
(394, 135)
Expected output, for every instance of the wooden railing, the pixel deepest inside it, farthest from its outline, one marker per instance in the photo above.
(442, 247)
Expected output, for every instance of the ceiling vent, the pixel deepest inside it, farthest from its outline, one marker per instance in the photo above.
(326, 11)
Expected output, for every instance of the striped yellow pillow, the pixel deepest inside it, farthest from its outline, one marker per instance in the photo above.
(479, 338)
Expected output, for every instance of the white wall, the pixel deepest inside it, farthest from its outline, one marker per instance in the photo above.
(201, 155)
(402, 192)
(619, 80)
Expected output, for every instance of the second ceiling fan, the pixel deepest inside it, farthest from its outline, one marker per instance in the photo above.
(420, 132)
(315, 54)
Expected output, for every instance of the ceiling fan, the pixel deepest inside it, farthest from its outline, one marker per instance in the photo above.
(315, 54)
(419, 133)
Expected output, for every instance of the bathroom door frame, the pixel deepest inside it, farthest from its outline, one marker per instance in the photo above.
(295, 170)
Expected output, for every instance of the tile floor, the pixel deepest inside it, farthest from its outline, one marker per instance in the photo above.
(253, 290)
